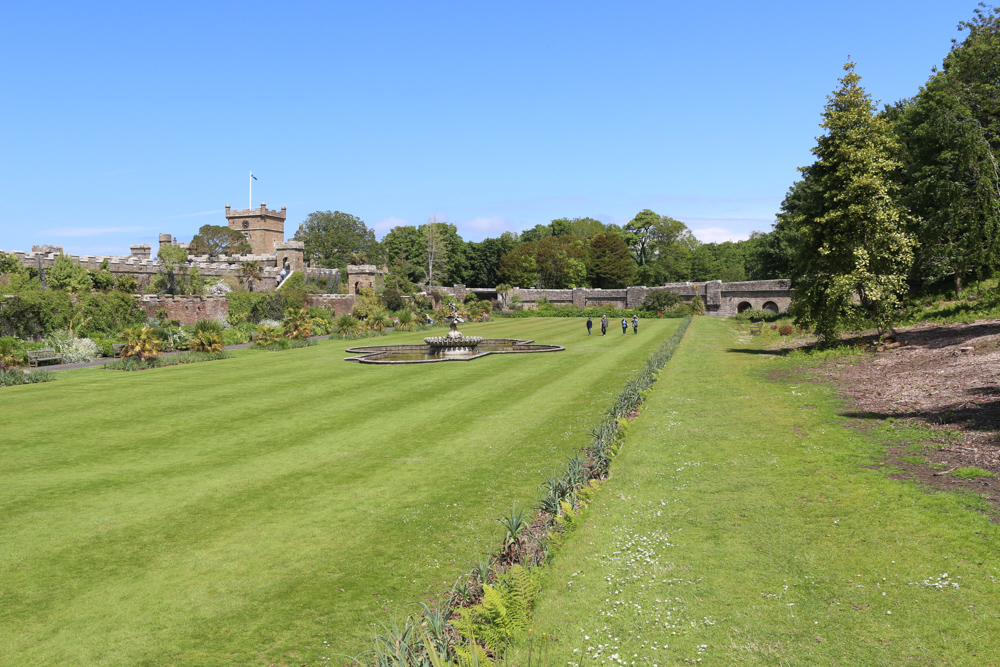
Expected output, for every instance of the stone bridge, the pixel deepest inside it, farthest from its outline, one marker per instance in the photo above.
(721, 299)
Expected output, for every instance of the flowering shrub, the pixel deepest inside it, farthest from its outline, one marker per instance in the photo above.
(219, 289)
(80, 350)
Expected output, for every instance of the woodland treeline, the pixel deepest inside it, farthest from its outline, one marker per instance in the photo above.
(899, 197)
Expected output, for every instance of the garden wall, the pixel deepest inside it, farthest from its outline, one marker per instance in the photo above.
(722, 299)
(187, 309)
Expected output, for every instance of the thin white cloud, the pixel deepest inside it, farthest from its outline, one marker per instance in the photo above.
(483, 226)
(91, 231)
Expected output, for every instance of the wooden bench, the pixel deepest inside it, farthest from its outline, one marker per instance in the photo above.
(755, 329)
(117, 347)
(37, 356)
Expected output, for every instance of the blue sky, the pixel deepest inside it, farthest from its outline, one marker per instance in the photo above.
(122, 120)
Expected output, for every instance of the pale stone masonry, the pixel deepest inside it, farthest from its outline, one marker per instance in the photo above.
(721, 299)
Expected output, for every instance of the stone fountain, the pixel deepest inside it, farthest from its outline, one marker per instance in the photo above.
(454, 343)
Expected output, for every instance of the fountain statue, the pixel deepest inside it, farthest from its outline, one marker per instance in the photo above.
(454, 343)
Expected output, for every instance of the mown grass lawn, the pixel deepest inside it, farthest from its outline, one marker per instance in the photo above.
(266, 509)
(743, 526)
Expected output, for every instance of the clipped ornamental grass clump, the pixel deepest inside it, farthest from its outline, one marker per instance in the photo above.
(137, 364)
(11, 378)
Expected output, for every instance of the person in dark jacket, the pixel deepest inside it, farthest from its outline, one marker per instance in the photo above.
(604, 325)
(590, 325)
(635, 323)
(624, 326)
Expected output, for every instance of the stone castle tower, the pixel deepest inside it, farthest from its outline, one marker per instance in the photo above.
(263, 228)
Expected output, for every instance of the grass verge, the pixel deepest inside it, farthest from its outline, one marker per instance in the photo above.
(742, 525)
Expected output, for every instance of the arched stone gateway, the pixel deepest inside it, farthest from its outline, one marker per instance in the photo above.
(719, 298)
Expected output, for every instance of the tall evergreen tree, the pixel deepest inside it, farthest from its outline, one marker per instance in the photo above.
(854, 244)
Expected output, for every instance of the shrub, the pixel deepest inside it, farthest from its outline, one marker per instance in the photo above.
(255, 306)
(347, 325)
(141, 344)
(10, 378)
(405, 321)
(660, 300)
(10, 356)
(786, 329)
(379, 320)
(79, 350)
(136, 364)
(392, 299)
(34, 314)
(697, 306)
(267, 335)
(206, 340)
(297, 324)
(109, 312)
(209, 326)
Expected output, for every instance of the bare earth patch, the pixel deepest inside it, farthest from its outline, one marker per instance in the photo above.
(946, 377)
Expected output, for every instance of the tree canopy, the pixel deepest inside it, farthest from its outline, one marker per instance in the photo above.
(331, 237)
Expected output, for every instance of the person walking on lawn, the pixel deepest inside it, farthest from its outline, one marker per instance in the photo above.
(604, 325)
(635, 323)
(624, 326)
(590, 325)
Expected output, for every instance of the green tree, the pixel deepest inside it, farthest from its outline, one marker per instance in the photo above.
(214, 240)
(854, 242)
(484, 259)
(331, 237)
(536, 233)
(68, 275)
(609, 263)
(578, 227)
(172, 278)
(561, 262)
(404, 251)
(952, 187)
(435, 250)
(518, 267)
(650, 235)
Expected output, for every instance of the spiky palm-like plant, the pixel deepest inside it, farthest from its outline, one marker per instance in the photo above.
(207, 341)
(347, 325)
(379, 320)
(9, 356)
(297, 324)
(405, 321)
(140, 343)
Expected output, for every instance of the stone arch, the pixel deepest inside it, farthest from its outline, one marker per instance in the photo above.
(743, 305)
(357, 287)
(770, 306)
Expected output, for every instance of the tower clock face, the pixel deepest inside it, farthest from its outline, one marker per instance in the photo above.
(246, 224)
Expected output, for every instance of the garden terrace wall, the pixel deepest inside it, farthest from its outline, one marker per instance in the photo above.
(338, 303)
(187, 309)
(721, 299)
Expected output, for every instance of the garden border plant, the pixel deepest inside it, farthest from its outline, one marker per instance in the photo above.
(492, 605)
(135, 364)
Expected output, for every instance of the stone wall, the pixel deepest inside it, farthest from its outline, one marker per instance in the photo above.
(338, 303)
(186, 309)
(144, 269)
(722, 299)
